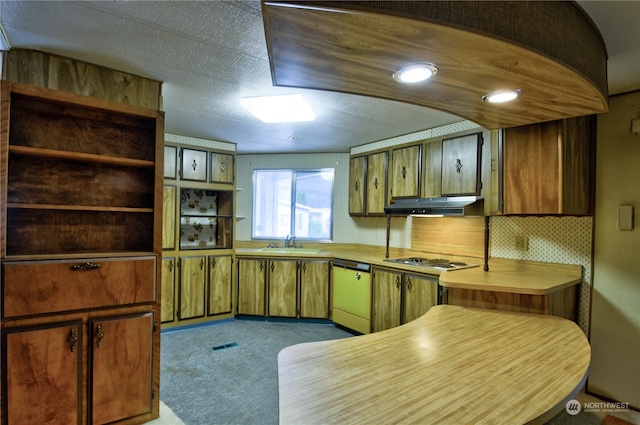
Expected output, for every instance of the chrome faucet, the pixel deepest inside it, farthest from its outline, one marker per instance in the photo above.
(290, 242)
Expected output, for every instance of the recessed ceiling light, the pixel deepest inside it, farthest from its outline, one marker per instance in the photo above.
(279, 108)
(502, 96)
(415, 72)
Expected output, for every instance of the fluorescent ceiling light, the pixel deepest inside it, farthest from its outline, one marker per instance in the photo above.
(415, 72)
(502, 96)
(281, 108)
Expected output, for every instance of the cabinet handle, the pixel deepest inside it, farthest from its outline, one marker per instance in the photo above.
(222, 167)
(170, 265)
(356, 186)
(358, 276)
(398, 282)
(272, 267)
(201, 263)
(261, 266)
(409, 285)
(194, 165)
(213, 262)
(99, 336)
(458, 165)
(86, 266)
(304, 267)
(404, 172)
(375, 182)
(72, 340)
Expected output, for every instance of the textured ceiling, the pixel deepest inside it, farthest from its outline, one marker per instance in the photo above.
(209, 54)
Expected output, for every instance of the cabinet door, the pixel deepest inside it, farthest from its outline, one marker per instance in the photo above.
(170, 162)
(219, 285)
(405, 180)
(192, 287)
(420, 294)
(531, 169)
(251, 286)
(221, 165)
(357, 167)
(376, 198)
(314, 289)
(168, 290)
(432, 170)
(461, 158)
(387, 289)
(169, 217)
(121, 369)
(194, 165)
(43, 373)
(283, 288)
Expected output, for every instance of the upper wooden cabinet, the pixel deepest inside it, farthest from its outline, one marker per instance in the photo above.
(405, 175)
(461, 161)
(376, 197)
(221, 166)
(432, 170)
(549, 167)
(357, 186)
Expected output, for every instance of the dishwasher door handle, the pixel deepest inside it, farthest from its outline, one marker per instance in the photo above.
(358, 276)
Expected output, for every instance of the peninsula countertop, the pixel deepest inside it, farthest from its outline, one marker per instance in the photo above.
(454, 365)
(504, 275)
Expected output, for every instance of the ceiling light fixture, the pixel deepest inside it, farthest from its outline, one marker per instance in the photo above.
(279, 108)
(415, 72)
(502, 96)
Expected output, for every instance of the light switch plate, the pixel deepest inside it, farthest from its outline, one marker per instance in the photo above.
(625, 217)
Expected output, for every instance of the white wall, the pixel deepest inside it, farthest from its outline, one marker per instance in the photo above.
(615, 316)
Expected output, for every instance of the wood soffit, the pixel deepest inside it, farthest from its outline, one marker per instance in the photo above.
(552, 51)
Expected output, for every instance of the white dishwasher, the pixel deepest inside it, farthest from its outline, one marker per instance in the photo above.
(352, 295)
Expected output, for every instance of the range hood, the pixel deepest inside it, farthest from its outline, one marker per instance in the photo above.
(453, 206)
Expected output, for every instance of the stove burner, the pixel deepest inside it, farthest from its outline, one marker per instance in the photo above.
(432, 263)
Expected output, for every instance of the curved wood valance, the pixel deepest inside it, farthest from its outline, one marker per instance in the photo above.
(551, 50)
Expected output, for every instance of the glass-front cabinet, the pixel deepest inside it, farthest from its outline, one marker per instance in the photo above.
(206, 218)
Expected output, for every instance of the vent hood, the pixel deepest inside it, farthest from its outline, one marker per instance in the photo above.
(453, 206)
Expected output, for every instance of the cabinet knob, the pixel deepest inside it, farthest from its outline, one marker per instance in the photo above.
(375, 182)
(404, 172)
(222, 167)
(409, 285)
(72, 340)
(85, 267)
(356, 186)
(213, 262)
(194, 165)
(458, 165)
(99, 336)
(398, 282)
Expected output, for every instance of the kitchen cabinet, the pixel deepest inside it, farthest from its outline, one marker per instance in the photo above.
(80, 186)
(461, 164)
(400, 297)
(252, 279)
(170, 162)
(168, 311)
(376, 195)
(206, 218)
(220, 285)
(169, 217)
(292, 287)
(357, 186)
(191, 293)
(193, 165)
(283, 287)
(549, 167)
(432, 169)
(222, 168)
(314, 289)
(406, 172)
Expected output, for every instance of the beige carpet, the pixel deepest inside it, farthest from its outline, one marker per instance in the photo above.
(167, 417)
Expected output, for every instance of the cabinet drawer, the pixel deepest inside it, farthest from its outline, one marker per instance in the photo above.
(40, 287)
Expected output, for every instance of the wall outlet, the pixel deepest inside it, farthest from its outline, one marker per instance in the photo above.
(522, 243)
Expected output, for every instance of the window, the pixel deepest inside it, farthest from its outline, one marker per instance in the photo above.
(292, 203)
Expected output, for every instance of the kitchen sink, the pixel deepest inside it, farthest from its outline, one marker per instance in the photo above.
(290, 250)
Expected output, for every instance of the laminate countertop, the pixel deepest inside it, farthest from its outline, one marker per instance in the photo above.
(504, 275)
(454, 365)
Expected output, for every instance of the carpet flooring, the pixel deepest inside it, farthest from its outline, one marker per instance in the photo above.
(226, 373)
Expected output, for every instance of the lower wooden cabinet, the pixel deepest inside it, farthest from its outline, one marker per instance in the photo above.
(400, 297)
(44, 366)
(283, 287)
(196, 288)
